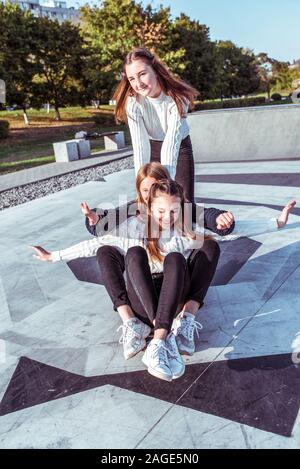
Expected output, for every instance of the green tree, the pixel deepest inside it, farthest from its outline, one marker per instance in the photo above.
(284, 76)
(17, 46)
(199, 59)
(110, 30)
(60, 59)
(265, 66)
(237, 70)
(113, 29)
(158, 33)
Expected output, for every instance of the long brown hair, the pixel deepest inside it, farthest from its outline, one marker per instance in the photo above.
(183, 223)
(181, 92)
(154, 170)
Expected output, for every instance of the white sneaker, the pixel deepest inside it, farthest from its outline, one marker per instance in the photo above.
(133, 336)
(177, 365)
(183, 330)
(157, 361)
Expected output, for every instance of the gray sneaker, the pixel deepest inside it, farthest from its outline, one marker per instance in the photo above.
(184, 328)
(176, 362)
(133, 336)
(156, 360)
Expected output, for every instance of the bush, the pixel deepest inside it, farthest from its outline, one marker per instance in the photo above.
(4, 129)
(276, 97)
(230, 103)
(208, 106)
(105, 120)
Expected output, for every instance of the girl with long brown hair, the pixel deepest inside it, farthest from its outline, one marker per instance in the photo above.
(155, 103)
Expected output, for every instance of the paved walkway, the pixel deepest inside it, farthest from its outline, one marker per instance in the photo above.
(27, 176)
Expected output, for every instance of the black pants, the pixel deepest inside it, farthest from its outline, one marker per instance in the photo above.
(158, 297)
(185, 172)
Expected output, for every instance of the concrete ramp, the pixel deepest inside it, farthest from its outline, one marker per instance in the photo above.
(246, 134)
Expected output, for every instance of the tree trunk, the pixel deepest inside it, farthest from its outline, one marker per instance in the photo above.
(57, 114)
(26, 120)
(48, 108)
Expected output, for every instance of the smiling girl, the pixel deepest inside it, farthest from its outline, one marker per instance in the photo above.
(155, 104)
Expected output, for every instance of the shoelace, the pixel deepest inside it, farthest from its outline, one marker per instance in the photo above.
(189, 326)
(127, 333)
(173, 350)
(161, 353)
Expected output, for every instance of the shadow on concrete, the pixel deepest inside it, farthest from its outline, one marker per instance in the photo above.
(273, 179)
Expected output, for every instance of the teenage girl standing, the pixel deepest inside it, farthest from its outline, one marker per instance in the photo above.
(155, 104)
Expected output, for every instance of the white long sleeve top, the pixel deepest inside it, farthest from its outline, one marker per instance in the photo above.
(131, 233)
(156, 119)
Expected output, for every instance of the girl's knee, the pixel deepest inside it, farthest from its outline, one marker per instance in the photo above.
(175, 259)
(211, 248)
(105, 251)
(136, 253)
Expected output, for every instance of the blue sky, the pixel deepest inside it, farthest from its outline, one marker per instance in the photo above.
(270, 26)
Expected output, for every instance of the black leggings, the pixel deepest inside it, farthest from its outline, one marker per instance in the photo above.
(185, 170)
(159, 297)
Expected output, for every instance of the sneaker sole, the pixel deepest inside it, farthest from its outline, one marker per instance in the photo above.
(179, 376)
(160, 375)
(186, 352)
(156, 373)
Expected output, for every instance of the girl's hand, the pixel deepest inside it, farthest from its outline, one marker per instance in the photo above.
(41, 254)
(91, 216)
(284, 215)
(224, 220)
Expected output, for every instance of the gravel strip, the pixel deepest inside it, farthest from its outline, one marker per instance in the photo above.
(20, 195)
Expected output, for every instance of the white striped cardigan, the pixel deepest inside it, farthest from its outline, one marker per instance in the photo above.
(156, 119)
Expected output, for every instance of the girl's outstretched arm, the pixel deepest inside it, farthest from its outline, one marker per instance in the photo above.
(284, 214)
(92, 216)
(256, 227)
(86, 248)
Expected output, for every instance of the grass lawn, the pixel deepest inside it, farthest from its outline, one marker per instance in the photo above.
(31, 145)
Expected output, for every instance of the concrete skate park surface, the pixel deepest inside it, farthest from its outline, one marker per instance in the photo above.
(64, 382)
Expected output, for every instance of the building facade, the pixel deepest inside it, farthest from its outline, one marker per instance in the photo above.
(53, 9)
